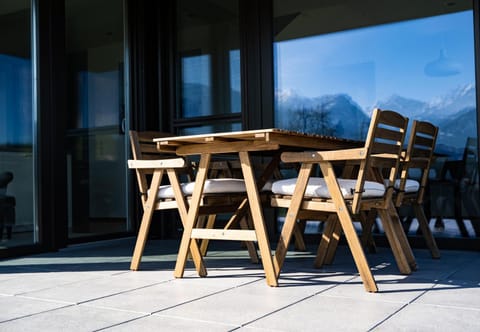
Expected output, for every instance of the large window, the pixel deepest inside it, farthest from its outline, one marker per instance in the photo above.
(96, 159)
(17, 217)
(208, 58)
(334, 63)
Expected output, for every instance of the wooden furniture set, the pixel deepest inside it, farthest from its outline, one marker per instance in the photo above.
(336, 200)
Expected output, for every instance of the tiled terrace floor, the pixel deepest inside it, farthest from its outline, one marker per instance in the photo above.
(90, 288)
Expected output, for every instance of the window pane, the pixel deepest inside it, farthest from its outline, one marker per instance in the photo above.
(331, 74)
(208, 57)
(96, 141)
(214, 128)
(17, 224)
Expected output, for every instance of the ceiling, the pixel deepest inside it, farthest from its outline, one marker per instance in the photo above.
(301, 18)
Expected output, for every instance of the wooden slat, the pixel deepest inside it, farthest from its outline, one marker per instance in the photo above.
(427, 142)
(422, 153)
(316, 156)
(163, 163)
(306, 204)
(230, 147)
(389, 134)
(392, 118)
(381, 147)
(418, 163)
(427, 128)
(149, 148)
(222, 234)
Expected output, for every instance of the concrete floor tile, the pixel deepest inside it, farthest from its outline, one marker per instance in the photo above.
(391, 288)
(21, 283)
(327, 313)
(421, 317)
(14, 307)
(247, 303)
(71, 319)
(88, 290)
(157, 323)
(453, 294)
(174, 293)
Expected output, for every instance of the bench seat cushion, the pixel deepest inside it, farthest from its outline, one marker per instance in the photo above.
(212, 186)
(317, 188)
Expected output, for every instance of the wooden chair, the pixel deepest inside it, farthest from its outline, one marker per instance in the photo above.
(339, 200)
(222, 195)
(419, 155)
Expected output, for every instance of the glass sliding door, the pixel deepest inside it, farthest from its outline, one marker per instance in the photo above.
(335, 62)
(17, 182)
(96, 159)
(208, 60)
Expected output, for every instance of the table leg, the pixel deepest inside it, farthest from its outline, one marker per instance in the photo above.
(258, 220)
(192, 215)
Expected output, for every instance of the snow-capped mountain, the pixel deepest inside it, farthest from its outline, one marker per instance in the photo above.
(340, 115)
(406, 106)
(454, 113)
(337, 115)
(451, 103)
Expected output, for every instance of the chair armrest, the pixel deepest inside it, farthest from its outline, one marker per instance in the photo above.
(317, 156)
(160, 163)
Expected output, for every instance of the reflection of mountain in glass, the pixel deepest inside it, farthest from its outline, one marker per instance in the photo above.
(334, 115)
(454, 113)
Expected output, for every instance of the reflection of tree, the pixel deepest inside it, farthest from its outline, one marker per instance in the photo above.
(364, 128)
(315, 120)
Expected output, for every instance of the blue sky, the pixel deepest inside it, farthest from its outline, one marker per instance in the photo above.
(373, 63)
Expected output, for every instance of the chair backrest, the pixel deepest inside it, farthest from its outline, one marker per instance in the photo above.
(419, 155)
(144, 148)
(384, 144)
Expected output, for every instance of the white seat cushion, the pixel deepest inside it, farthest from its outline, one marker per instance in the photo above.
(212, 186)
(411, 186)
(318, 188)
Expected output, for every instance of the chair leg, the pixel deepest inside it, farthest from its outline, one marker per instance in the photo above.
(298, 232)
(252, 250)
(209, 225)
(367, 225)
(335, 239)
(427, 233)
(357, 251)
(148, 208)
(402, 237)
(325, 242)
(348, 228)
(394, 242)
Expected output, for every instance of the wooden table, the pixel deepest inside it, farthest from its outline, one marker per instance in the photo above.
(244, 144)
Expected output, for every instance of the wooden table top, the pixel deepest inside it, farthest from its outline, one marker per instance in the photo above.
(251, 140)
